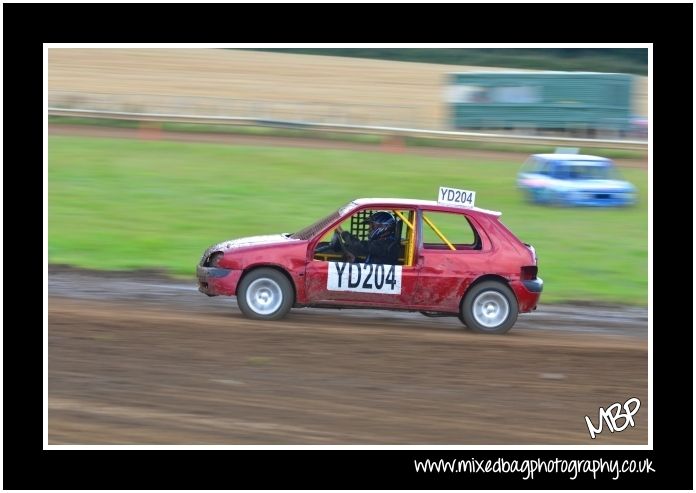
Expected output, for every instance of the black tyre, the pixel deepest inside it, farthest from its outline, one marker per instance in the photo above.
(265, 294)
(489, 307)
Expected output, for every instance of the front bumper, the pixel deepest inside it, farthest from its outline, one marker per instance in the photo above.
(601, 199)
(215, 281)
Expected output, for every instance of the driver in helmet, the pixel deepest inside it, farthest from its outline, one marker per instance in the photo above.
(382, 245)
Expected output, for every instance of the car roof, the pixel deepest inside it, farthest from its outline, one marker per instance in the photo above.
(572, 157)
(431, 204)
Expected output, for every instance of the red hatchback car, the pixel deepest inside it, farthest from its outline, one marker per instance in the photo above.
(448, 261)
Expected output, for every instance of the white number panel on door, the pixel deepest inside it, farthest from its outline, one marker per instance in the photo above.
(364, 278)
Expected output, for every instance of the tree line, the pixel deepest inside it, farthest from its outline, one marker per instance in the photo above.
(623, 60)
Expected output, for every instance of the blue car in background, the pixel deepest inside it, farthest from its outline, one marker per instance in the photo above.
(567, 179)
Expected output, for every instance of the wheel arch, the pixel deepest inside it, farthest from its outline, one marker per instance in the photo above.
(275, 267)
(484, 278)
(494, 318)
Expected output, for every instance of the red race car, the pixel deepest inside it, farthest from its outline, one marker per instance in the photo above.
(441, 258)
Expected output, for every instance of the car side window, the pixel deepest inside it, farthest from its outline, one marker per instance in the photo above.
(355, 244)
(562, 171)
(448, 231)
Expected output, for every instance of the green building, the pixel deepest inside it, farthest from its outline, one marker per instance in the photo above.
(586, 101)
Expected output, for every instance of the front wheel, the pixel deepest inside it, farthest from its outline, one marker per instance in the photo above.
(489, 307)
(265, 294)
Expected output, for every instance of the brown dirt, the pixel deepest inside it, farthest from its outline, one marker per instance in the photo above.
(130, 372)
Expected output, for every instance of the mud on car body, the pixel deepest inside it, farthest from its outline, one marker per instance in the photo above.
(452, 260)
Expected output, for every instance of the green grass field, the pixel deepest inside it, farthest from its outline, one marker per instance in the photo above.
(338, 136)
(120, 204)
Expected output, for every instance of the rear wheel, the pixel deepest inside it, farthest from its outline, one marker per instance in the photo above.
(265, 294)
(489, 307)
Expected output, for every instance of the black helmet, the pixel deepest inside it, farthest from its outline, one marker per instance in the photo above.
(384, 224)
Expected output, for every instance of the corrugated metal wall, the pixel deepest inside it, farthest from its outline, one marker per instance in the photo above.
(544, 100)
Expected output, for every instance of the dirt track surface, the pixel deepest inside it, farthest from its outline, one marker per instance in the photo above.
(251, 140)
(137, 358)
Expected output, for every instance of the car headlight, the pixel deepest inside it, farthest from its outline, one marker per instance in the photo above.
(214, 259)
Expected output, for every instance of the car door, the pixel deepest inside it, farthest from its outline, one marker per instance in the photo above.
(330, 280)
(451, 253)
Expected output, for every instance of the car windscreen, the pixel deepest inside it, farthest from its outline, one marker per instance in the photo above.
(313, 229)
(584, 170)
